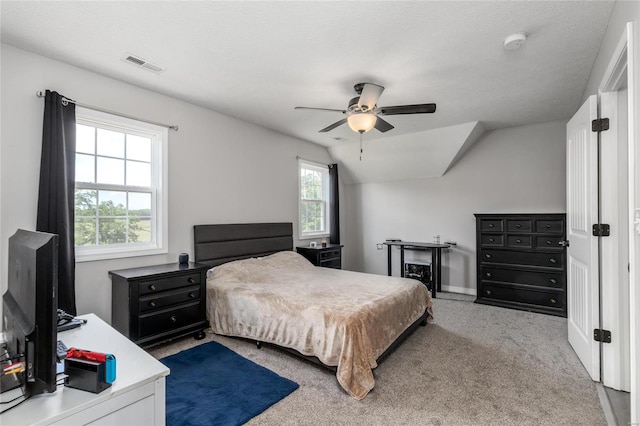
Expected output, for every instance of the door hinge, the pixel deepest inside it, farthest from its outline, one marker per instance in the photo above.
(564, 243)
(600, 125)
(601, 230)
(600, 335)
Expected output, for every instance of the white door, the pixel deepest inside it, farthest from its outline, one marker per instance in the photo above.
(583, 310)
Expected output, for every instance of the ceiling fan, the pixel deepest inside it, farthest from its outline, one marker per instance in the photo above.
(363, 114)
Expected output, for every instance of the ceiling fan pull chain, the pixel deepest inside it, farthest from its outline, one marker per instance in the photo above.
(360, 146)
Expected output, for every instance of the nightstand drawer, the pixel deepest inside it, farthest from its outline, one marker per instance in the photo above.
(329, 254)
(150, 302)
(168, 319)
(169, 283)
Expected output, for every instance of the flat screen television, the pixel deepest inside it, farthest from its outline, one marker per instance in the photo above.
(30, 309)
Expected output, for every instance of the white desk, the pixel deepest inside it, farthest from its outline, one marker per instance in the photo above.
(137, 397)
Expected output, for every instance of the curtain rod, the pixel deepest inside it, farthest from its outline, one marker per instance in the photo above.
(65, 101)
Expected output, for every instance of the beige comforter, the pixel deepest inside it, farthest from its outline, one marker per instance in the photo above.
(345, 319)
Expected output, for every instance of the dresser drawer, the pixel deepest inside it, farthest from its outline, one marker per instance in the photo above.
(168, 319)
(515, 276)
(550, 226)
(492, 240)
(492, 225)
(521, 241)
(547, 260)
(532, 297)
(519, 225)
(153, 301)
(168, 283)
(549, 242)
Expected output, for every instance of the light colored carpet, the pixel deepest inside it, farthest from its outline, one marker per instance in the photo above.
(475, 365)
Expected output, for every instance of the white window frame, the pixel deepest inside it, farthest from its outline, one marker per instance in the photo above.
(159, 183)
(324, 169)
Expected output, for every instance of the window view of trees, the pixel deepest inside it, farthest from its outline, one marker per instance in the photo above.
(312, 203)
(109, 222)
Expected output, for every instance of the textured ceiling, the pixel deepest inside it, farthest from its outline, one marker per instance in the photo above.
(258, 60)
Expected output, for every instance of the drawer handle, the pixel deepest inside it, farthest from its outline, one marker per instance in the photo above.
(488, 256)
(152, 287)
(173, 318)
(548, 242)
(548, 226)
(553, 260)
(518, 241)
(491, 225)
(518, 225)
(553, 281)
(191, 280)
(152, 304)
(491, 240)
(192, 295)
(488, 274)
(488, 292)
(553, 301)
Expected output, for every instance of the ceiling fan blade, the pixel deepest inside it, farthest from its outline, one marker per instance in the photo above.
(369, 96)
(408, 109)
(334, 125)
(382, 126)
(322, 109)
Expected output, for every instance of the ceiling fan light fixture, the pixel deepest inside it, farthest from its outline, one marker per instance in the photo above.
(362, 122)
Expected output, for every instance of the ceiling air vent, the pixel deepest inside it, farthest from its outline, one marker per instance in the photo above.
(139, 62)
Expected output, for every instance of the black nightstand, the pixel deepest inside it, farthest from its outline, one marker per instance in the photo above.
(157, 303)
(328, 257)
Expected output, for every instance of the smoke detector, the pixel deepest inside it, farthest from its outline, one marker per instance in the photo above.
(514, 41)
(139, 62)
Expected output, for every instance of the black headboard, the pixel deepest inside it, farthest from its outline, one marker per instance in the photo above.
(218, 244)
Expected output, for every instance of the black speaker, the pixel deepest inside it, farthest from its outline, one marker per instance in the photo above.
(183, 258)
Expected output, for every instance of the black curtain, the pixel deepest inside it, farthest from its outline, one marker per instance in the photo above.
(56, 194)
(334, 205)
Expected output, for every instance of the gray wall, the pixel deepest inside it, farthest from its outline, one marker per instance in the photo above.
(514, 170)
(221, 170)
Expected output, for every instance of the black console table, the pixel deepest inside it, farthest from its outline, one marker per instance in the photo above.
(436, 259)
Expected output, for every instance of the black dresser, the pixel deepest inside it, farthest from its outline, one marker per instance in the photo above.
(521, 262)
(157, 303)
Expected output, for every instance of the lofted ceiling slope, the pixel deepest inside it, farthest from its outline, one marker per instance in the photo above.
(258, 60)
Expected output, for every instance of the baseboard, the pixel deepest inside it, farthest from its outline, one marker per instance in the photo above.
(459, 290)
(606, 405)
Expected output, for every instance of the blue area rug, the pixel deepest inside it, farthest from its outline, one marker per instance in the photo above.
(212, 385)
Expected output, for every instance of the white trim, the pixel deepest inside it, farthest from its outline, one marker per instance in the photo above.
(459, 290)
(160, 199)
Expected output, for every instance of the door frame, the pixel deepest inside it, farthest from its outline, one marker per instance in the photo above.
(625, 63)
(614, 182)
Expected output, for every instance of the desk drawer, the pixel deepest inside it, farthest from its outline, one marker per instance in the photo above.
(168, 283)
(520, 241)
(491, 225)
(550, 226)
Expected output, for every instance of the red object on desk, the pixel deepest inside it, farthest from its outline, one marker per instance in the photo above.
(88, 355)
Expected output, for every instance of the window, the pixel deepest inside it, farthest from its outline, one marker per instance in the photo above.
(120, 189)
(314, 199)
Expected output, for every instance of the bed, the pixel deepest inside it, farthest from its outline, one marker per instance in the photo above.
(258, 288)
